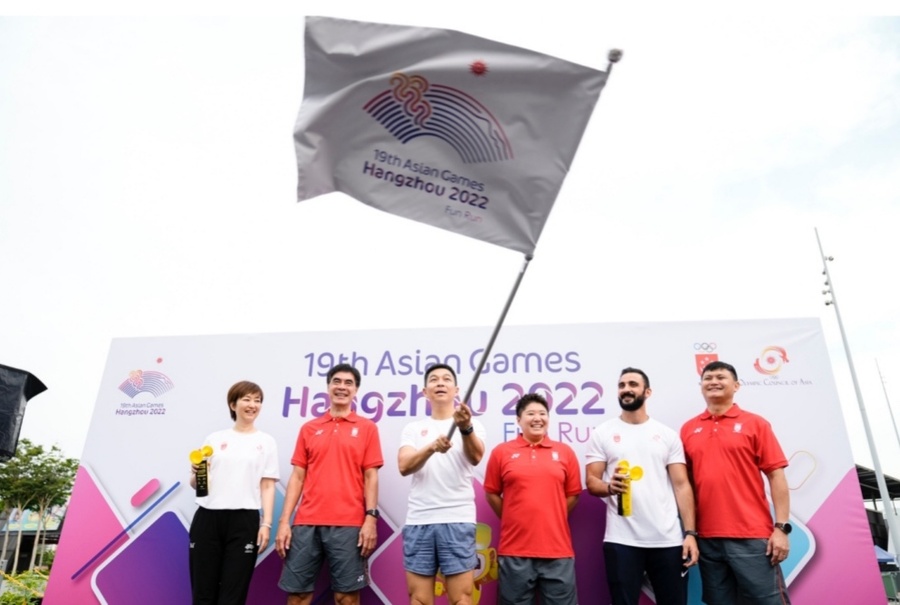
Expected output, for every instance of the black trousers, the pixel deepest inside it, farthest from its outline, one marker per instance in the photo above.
(222, 555)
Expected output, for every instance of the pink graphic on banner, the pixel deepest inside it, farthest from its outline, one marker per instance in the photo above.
(840, 529)
(143, 494)
(90, 525)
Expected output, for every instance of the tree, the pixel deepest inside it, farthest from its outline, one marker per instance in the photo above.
(56, 475)
(16, 487)
(35, 476)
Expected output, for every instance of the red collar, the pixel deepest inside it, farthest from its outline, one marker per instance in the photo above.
(733, 412)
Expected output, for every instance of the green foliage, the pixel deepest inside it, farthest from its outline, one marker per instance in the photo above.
(35, 479)
(36, 476)
(47, 559)
(23, 589)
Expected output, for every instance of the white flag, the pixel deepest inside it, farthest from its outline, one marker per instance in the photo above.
(444, 128)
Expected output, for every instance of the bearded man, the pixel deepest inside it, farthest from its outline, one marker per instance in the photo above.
(637, 464)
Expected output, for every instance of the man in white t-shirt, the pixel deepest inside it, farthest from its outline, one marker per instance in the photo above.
(440, 521)
(638, 465)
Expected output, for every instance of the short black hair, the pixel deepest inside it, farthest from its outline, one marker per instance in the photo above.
(530, 398)
(719, 365)
(439, 366)
(630, 370)
(343, 367)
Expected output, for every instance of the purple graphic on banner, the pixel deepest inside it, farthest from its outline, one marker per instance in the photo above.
(125, 531)
(134, 574)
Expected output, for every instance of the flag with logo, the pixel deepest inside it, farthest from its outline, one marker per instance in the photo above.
(456, 131)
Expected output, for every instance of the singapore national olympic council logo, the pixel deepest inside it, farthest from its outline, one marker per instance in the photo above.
(704, 355)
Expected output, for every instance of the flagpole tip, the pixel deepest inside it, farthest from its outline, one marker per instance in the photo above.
(615, 55)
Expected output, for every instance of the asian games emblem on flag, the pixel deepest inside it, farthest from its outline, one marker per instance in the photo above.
(414, 108)
(444, 128)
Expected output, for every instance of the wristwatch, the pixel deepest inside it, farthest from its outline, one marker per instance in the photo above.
(785, 527)
(373, 512)
(690, 532)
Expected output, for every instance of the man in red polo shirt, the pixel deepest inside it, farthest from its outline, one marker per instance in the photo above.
(728, 450)
(336, 462)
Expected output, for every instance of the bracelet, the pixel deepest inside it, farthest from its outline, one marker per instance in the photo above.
(467, 432)
(269, 525)
(691, 532)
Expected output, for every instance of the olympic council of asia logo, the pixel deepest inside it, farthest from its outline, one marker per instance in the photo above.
(413, 107)
(771, 360)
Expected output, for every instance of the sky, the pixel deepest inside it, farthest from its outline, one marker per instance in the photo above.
(147, 188)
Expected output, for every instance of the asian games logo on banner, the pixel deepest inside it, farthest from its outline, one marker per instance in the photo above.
(771, 360)
(413, 107)
(704, 355)
(144, 381)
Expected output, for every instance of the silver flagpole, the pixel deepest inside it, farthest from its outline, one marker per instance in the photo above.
(613, 57)
(490, 344)
(889, 516)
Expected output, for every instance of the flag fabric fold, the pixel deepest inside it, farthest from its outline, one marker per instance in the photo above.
(441, 127)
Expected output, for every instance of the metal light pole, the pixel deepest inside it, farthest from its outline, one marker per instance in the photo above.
(887, 399)
(889, 515)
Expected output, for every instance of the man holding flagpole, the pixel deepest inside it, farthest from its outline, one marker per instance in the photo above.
(440, 520)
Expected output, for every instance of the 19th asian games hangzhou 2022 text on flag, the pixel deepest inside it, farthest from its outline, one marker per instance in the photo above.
(444, 128)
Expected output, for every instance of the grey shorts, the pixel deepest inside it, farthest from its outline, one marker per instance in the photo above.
(523, 577)
(313, 544)
(732, 570)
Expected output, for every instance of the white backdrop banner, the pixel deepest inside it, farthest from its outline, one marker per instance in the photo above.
(125, 539)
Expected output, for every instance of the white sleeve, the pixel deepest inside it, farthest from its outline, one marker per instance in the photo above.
(408, 436)
(595, 451)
